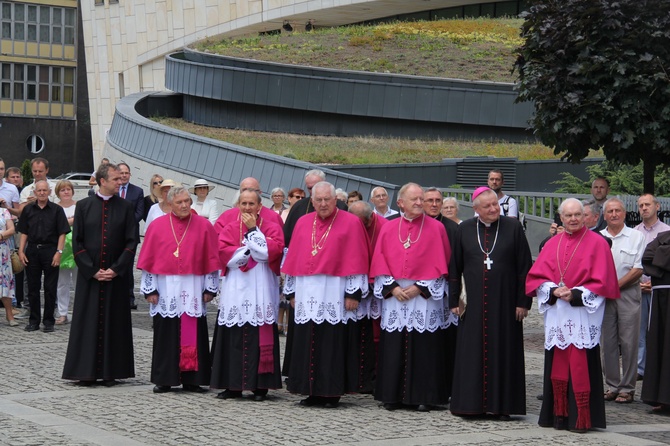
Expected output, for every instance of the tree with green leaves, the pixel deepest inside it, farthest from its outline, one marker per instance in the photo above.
(598, 72)
(26, 171)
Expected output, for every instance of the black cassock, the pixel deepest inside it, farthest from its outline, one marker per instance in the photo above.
(489, 374)
(299, 208)
(101, 343)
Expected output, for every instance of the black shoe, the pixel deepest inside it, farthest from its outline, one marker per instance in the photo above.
(311, 401)
(504, 417)
(161, 389)
(133, 306)
(640, 377)
(331, 405)
(85, 383)
(423, 408)
(109, 382)
(48, 329)
(259, 397)
(540, 397)
(193, 388)
(560, 423)
(229, 394)
(32, 327)
(392, 406)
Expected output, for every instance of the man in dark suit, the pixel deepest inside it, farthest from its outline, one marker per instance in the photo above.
(135, 195)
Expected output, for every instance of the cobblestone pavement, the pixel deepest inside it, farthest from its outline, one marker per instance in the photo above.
(37, 407)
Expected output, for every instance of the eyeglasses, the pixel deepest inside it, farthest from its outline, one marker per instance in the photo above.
(156, 183)
(380, 196)
(299, 197)
(277, 196)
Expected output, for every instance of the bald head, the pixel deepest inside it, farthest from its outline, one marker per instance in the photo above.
(250, 183)
(362, 210)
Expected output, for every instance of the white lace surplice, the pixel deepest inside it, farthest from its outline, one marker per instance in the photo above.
(565, 324)
(320, 298)
(179, 294)
(250, 297)
(416, 314)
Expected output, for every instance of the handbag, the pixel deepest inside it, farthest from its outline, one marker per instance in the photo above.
(17, 266)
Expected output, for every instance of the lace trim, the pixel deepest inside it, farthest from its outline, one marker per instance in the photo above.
(250, 297)
(566, 325)
(416, 314)
(289, 284)
(178, 295)
(321, 298)
(258, 245)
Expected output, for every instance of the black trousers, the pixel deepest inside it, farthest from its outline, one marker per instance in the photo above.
(39, 261)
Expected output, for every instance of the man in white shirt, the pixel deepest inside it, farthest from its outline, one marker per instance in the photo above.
(9, 194)
(379, 198)
(508, 205)
(621, 323)
(40, 169)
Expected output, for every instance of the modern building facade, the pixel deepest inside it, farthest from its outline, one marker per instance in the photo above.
(43, 98)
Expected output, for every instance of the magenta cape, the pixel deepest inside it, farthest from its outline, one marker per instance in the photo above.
(426, 259)
(375, 228)
(233, 214)
(229, 241)
(346, 250)
(591, 267)
(198, 252)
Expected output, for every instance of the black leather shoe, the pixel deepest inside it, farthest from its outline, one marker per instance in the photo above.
(310, 401)
(48, 329)
(32, 327)
(259, 397)
(504, 417)
(133, 307)
(193, 388)
(161, 389)
(423, 408)
(392, 406)
(229, 394)
(85, 383)
(560, 423)
(109, 382)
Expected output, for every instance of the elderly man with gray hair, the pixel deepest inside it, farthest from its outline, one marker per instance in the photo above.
(180, 274)
(326, 271)
(621, 324)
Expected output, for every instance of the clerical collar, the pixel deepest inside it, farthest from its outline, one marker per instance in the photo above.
(104, 197)
(488, 225)
(177, 217)
(411, 219)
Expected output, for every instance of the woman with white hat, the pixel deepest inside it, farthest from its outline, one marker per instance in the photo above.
(205, 207)
(162, 207)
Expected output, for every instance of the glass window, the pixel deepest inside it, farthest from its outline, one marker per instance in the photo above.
(55, 75)
(68, 95)
(19, 31)
(44, 33)
(32, 13)
(44, 92)
(31, 96)
(44, 74)
(32, 73)
(7, 11)
(57, 34)
(5, 92)
(69, 76)
(6, 30)
(55, 93)
(18, 73)
(99, 2)
(69, 36)
(45, 14)
(35, 143)
(32, 33)
(69, 17)
(18, 91)
(19, 12)
(6, 71)
(56, 14)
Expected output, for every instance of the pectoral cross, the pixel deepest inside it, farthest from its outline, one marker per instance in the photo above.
(176, 253)
(315, 252)
(488, 262)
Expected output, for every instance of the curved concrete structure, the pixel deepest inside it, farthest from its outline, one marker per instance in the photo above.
(126, 42)
(149, 147)
(222, 91)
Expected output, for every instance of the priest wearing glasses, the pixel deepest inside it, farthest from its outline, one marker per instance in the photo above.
(409, 265)
(180, 274)
(491, 256)
(572, 278)
(326, 271)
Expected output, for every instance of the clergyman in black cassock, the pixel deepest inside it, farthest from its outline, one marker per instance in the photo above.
(103, 242)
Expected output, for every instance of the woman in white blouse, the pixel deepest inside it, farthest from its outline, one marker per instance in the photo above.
(205, 207)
